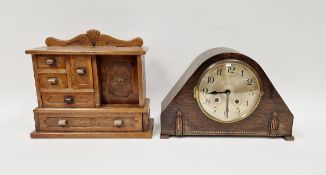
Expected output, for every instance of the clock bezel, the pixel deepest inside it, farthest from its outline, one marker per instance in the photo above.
(215, 64)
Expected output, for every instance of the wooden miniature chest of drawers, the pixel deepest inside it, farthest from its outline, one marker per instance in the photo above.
(91, 86)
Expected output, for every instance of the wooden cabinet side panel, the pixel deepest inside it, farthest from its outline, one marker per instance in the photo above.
(37, 84)
(141, 79)
(36, 121)
(146, 116)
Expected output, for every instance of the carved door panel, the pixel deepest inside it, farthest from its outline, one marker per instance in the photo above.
(119, 83)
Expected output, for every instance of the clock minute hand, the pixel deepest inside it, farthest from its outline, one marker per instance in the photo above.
(227, 103)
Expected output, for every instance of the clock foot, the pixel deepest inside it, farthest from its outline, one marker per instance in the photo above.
(164, 136)
(288, 138)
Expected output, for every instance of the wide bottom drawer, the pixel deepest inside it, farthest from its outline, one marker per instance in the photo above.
(89, 122)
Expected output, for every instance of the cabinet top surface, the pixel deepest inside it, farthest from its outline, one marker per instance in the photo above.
(87, 50)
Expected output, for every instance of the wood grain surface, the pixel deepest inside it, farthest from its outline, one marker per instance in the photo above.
(119, 80)
(87, 50)
(94, 37)
(92, 84)
(114, 135)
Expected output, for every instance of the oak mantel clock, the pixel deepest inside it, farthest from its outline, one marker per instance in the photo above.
(91, 86)
(224, 92)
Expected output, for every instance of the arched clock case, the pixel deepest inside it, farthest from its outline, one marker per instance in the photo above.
(225, 93)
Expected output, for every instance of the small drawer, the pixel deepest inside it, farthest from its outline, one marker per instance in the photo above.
(90, 122)
(68, 99)
(57, 81)
(51, 62)
(81, 72)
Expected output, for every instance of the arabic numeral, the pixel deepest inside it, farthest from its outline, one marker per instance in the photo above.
(238, 110)
(204, 90)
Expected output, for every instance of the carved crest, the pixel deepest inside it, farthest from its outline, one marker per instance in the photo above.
(94, 38)
(274, 124)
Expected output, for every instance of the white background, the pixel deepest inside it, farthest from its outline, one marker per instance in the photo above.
(287, 38)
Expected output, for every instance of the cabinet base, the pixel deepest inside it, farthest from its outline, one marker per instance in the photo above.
(79, 135)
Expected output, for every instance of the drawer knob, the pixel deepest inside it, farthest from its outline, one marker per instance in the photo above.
(117, 122)
(50, 61)
(69, 100)
(62, 123)
(53, 81)
(81, 71)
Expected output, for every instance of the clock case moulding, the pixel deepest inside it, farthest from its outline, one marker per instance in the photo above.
(181, 115)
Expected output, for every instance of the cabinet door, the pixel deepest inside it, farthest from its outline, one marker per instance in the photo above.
(119, 81)
(81, 72)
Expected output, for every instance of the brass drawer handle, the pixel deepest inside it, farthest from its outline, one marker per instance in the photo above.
(62, 123)
(81, 71)
(50, 61)
(69, 100)
(53, 81)
(117, 122)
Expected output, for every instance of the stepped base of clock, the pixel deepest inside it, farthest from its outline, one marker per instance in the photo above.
(287, 138)
(113, 134)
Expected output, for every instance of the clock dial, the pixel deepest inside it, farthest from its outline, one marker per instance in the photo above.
(228, 91)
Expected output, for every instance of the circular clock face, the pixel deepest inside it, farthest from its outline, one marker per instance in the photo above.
(228, 91)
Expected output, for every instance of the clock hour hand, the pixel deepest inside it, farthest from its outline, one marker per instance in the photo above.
(215, 92)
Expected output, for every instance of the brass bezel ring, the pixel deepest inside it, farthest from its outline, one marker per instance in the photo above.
(196, 91)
